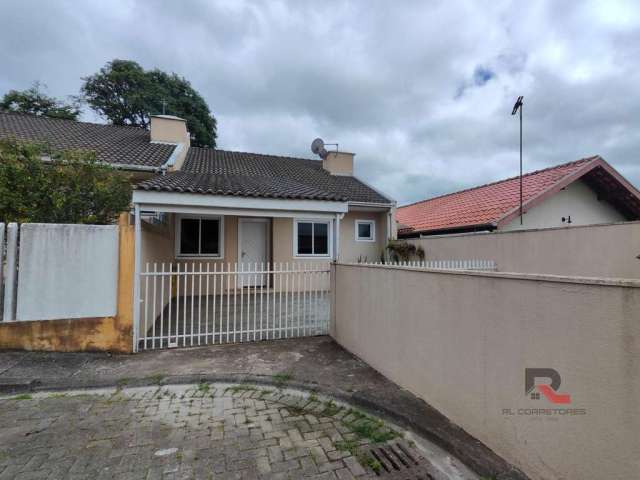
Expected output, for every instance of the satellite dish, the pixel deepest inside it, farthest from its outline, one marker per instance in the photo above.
(317, 146)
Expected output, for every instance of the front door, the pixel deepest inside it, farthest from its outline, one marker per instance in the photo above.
(253, 249)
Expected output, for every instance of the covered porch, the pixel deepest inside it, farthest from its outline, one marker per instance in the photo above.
(222, 269)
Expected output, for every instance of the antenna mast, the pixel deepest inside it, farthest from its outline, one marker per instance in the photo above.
(518, 108)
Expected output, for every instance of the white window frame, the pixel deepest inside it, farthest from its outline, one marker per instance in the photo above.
(178, 236)
(329, 239)
(372, 223)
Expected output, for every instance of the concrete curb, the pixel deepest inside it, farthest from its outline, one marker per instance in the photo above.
(467, 449)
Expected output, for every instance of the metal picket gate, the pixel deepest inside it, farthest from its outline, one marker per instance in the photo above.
(184, 305)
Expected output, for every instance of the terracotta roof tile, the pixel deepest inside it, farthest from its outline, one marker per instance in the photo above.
(483, 205)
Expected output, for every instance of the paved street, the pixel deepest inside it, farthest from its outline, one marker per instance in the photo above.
(193, 431)
(311, 363)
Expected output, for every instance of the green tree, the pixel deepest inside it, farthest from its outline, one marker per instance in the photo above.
(36, 102)
(67, 187)
(126, 94)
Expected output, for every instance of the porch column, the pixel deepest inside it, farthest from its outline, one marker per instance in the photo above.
(136, 276)
(336, 236)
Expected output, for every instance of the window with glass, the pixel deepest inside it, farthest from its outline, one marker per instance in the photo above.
(312, 238)
(200, 236)
(365, 230)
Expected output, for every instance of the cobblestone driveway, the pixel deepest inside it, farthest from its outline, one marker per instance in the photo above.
(200, 431)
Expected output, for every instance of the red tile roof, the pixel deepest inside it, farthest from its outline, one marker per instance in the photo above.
(488, 204)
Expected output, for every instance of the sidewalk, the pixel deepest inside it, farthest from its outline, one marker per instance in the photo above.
(316, 363)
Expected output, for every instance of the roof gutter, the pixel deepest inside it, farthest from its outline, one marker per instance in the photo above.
(138, 168)
(119, 166)
(372, 204)
(449, 231)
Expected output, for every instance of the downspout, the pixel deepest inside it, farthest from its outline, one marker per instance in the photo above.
(336, 236)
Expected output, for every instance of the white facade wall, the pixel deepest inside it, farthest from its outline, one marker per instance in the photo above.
(67, 271)
(577, 200)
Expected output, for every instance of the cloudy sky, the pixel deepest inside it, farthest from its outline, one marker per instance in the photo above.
(421, 91)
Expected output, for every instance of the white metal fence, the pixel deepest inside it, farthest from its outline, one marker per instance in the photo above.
(473, 264)
(183, 305)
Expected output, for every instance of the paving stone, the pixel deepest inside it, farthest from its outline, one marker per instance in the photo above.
(176, 432)
(344, 474)
(354, 466)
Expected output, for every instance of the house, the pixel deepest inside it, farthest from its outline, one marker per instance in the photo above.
(583, 192)
(214, 206)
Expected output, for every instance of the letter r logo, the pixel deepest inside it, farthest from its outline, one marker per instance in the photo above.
(548, 389)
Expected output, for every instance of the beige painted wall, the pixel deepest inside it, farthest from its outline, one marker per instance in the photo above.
(462, 341)
(158, 241)
(577, 200)
(592, 251)
(339, 163)
(350, 249)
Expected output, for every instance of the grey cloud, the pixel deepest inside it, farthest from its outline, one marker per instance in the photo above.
(421, 91)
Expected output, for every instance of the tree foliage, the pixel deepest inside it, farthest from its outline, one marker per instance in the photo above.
(126, 94)
(69, 187)
(35, 101)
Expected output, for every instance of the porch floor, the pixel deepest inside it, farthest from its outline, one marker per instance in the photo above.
(228, 318)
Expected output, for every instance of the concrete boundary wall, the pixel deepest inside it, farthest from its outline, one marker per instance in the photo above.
(105, 333)
(609, 250)
(462, 341)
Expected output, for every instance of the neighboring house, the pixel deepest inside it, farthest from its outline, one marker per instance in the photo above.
(584, 192)
(209, 205)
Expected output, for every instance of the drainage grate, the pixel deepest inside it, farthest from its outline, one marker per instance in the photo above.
(397, 460)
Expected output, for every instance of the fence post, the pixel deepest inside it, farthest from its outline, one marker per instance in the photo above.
(136, 275)
(11, 270)
(333, 327)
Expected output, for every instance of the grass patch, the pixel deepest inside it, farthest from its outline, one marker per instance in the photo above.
(350, 446)
(367, 460)
(57, 395)
(265, 392)
(295, 411)
(372, 429)
(203, 387)
(122, 382)
(157, 378)
(281, 379)
(330, 409)
(23, 396)
(240, 388)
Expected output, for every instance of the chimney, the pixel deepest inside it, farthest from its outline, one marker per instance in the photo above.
(339, 163)
(170, 129)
